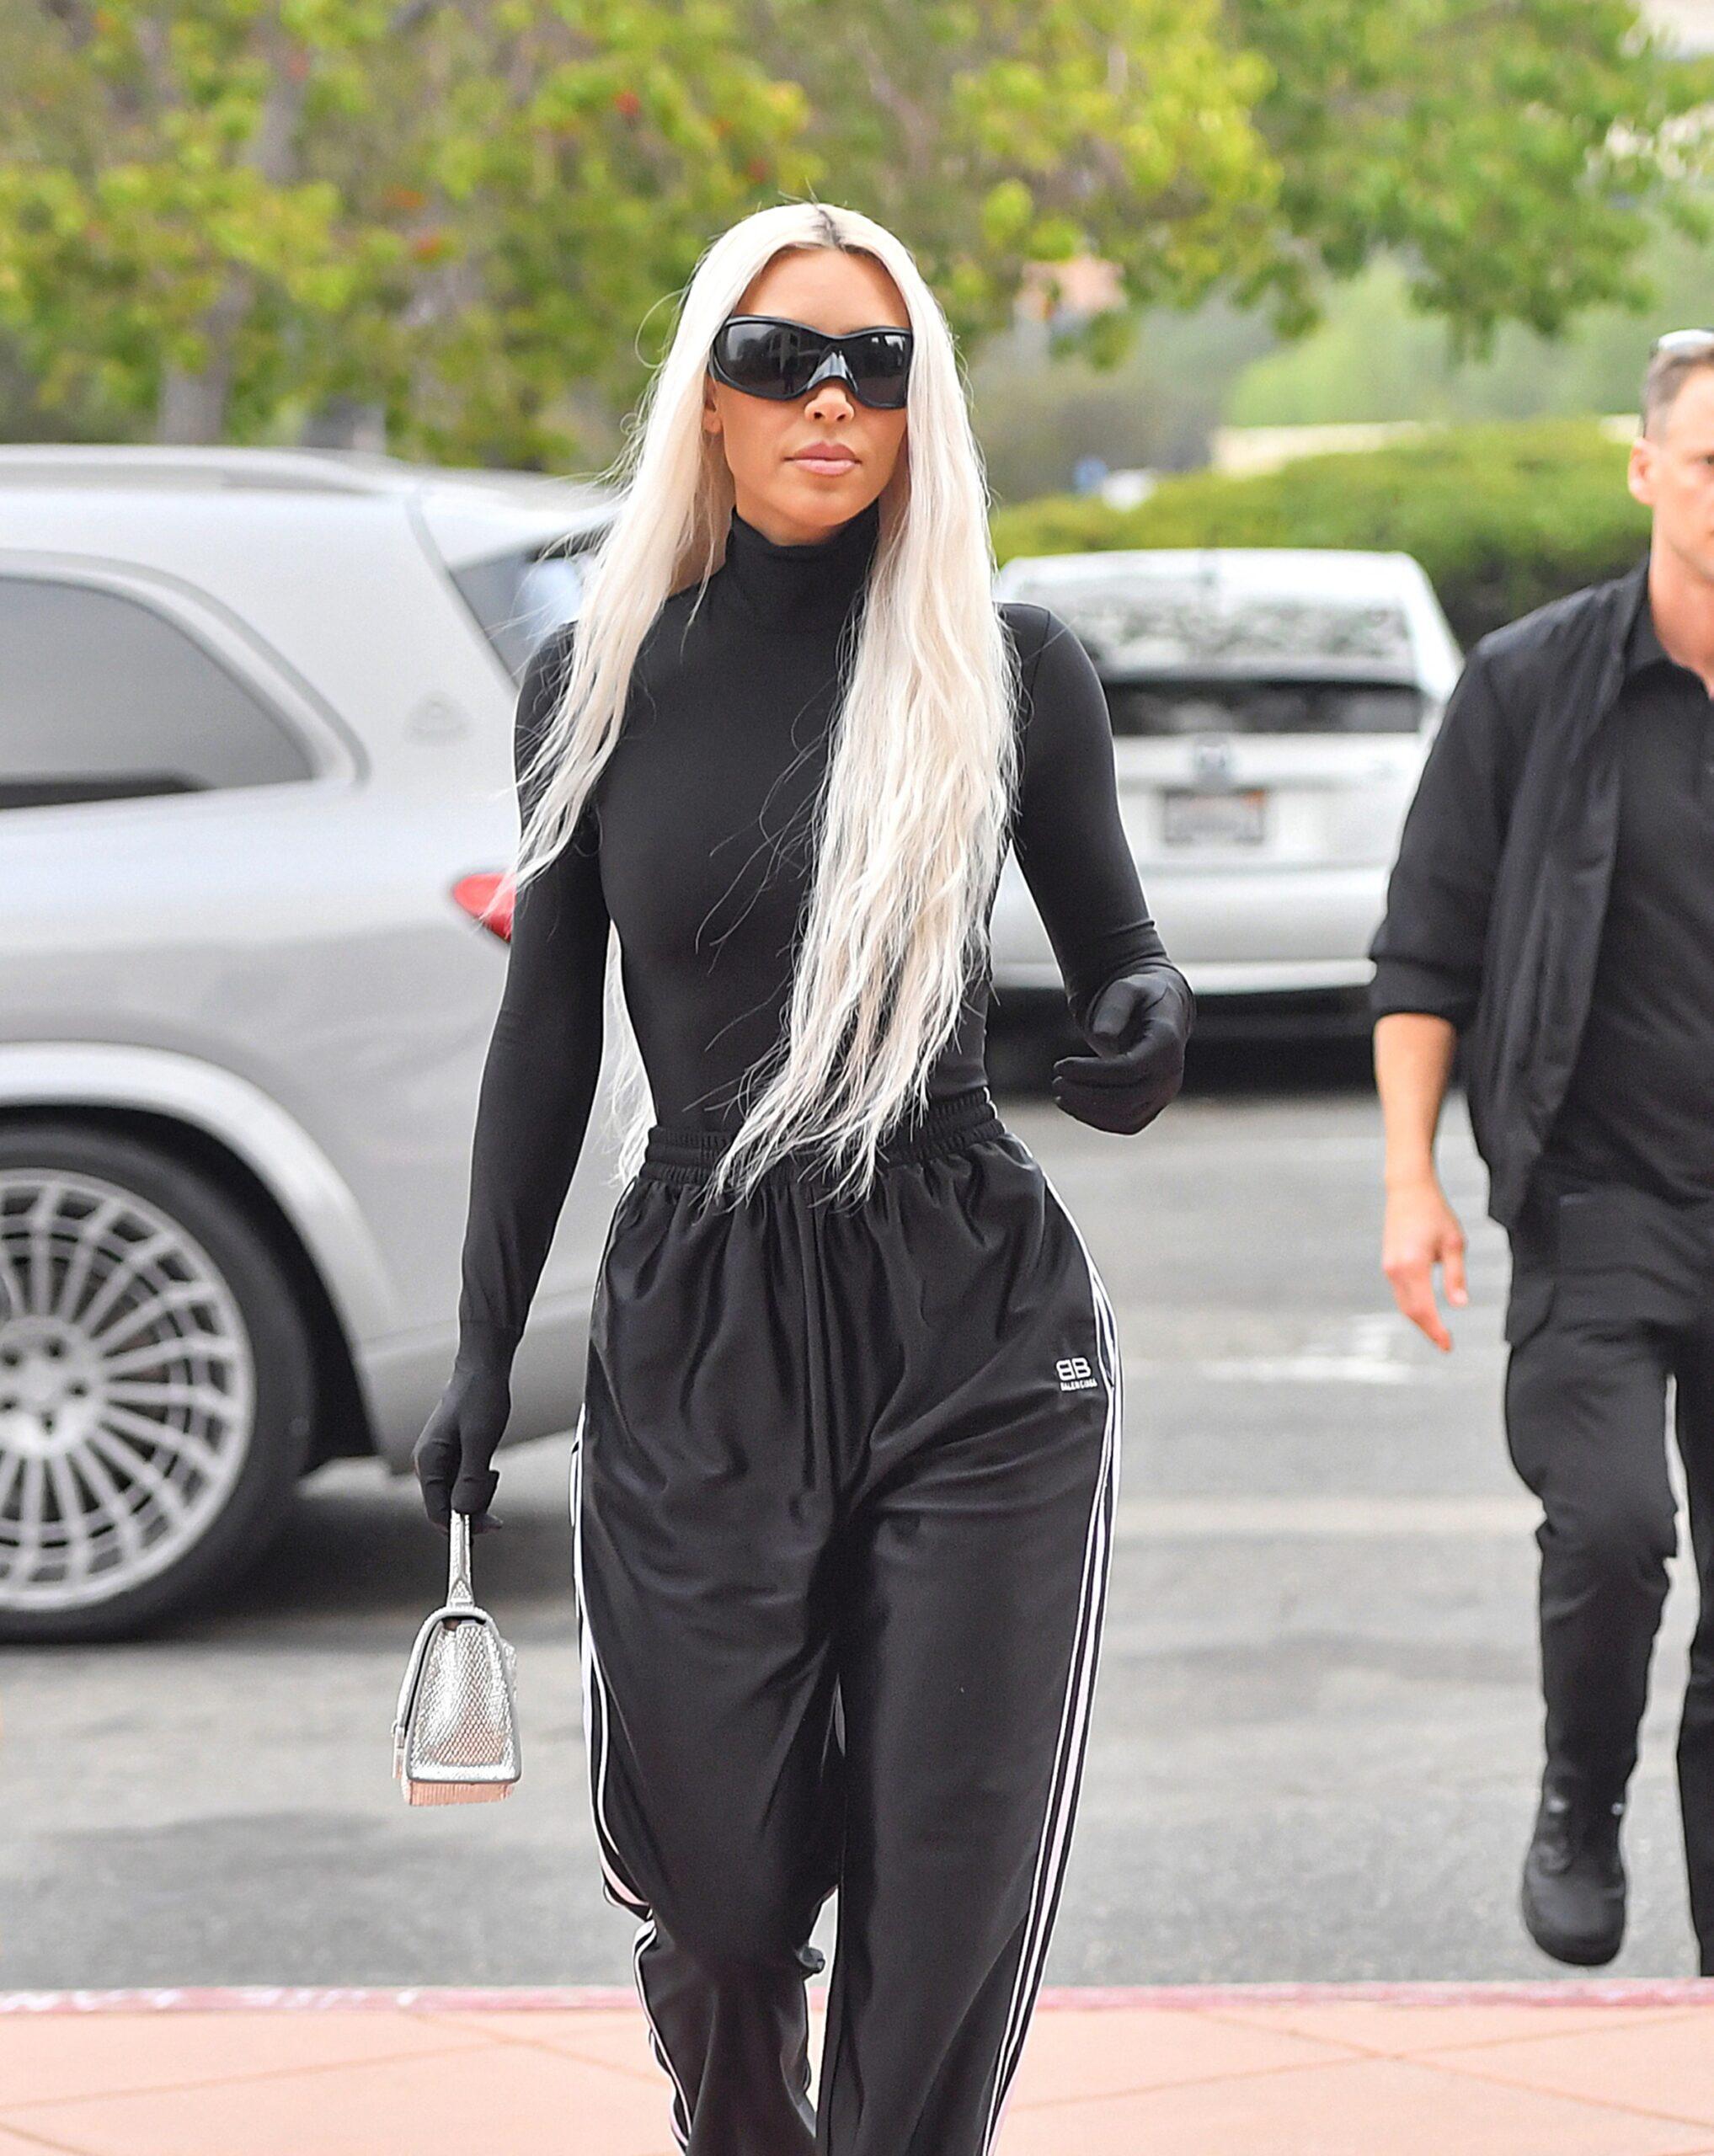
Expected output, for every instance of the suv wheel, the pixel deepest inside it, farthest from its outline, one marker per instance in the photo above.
(156, 1387)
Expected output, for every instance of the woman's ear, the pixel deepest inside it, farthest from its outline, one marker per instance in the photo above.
(711, 409)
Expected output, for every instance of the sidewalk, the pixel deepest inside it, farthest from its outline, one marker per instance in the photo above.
(1555, 2069)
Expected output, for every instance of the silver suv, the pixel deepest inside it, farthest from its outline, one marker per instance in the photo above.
(255, 785)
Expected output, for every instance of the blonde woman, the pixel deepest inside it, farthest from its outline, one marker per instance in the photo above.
(844, 1477)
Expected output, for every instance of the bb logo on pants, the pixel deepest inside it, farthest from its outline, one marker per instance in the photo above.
(1075, 1373)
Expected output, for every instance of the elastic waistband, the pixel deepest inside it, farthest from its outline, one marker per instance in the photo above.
(681, 1154)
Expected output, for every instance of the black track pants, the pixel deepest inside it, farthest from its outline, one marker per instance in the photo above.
(843, 1492)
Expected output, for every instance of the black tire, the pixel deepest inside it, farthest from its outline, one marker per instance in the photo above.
(269, 1441)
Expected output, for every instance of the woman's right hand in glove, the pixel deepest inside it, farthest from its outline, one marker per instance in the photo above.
(459, 1440)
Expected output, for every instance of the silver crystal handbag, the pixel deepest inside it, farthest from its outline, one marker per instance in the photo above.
(455, 1733)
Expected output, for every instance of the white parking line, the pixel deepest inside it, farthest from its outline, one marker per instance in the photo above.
(1307, 1370)
(1335, 1518)
(1368, 1347)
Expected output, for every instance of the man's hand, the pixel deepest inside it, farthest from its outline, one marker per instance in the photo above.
(1138, 1025)
(1421, 1231)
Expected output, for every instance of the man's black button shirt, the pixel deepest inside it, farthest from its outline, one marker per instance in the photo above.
(1640, 1106)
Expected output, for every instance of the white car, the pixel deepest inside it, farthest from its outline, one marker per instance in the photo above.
(255, 790)
(1271, 709)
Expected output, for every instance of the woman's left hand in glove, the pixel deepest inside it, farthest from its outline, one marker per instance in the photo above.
(1138, 1026)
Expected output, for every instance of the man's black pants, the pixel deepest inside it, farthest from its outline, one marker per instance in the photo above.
(1612, 1293)
(843, 1488)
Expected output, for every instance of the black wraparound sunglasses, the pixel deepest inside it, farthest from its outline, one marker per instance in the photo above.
(766, 355)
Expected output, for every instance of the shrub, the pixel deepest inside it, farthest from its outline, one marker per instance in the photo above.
(1502, 517)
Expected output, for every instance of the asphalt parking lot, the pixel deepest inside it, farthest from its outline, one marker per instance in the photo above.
(1314, 1747)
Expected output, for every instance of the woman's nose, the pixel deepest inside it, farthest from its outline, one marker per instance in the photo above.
(832, 395)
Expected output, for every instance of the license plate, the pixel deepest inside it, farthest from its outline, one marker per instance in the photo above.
(1192, 817)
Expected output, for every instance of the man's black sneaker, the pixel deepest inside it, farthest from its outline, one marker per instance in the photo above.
(1574, 1878)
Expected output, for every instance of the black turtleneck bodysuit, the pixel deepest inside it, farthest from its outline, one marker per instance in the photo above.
(694, 844)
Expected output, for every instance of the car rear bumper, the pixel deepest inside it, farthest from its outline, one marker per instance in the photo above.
(1300, 932)
(1335, 1008)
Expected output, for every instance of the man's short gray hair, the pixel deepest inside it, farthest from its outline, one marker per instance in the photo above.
(1667, 374)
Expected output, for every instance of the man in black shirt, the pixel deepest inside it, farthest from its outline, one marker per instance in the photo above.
(1552, 907)
(1637, 1109)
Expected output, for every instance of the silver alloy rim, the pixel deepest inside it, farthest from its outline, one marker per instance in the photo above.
(127, 1390)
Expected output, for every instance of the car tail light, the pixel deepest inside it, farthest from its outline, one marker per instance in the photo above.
(487, 899)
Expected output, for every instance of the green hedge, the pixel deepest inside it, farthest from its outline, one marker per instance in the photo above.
(1502, 517)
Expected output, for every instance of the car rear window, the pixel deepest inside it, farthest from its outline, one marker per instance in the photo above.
(518, 598)
(1169, 709)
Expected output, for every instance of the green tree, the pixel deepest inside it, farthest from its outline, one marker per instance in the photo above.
(1378, 356)
(216, 211)
(220, 215)
(997, 135)
(1509, 152)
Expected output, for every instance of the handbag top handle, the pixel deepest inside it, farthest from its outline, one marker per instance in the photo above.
(458, 1587)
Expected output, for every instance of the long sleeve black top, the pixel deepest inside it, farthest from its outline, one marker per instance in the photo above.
(693, 843)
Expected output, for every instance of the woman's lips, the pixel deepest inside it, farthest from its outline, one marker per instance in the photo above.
(829, 464)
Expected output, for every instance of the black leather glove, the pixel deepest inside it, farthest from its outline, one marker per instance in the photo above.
(1138, 1026)
(459, 1439)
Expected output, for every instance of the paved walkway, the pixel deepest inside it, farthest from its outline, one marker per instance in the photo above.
(1562, 2069)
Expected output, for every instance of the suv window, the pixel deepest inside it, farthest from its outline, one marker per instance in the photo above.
(104, 699)
(1176, 708)
(518, 598)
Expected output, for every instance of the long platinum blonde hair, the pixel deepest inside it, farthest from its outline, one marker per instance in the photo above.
(909, 827)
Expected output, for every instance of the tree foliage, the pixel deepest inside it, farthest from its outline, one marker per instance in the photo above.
(214, 209)
(218, 215)
(1509, 151)
(1503, 148)
(995, 135)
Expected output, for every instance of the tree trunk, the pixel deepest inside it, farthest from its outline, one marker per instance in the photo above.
(193, 407)
(346, 422)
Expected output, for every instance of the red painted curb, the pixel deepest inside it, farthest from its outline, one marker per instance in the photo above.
(447, 1998)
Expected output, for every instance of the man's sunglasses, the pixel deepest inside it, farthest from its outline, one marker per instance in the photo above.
(765, 355)
(1677, 341)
